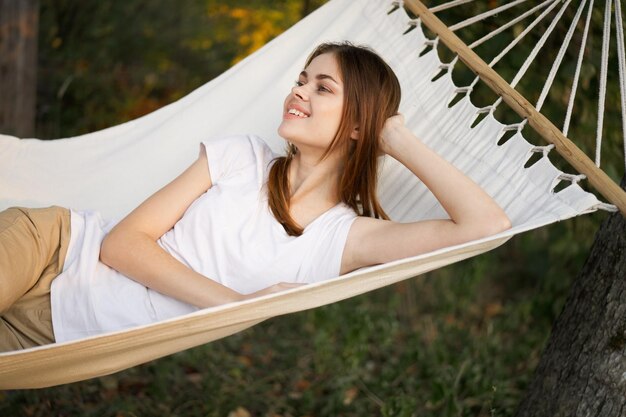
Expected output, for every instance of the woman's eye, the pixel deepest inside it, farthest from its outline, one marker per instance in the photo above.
(320, 88)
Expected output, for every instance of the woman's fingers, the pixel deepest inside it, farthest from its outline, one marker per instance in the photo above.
(393, 125)
(281, 286)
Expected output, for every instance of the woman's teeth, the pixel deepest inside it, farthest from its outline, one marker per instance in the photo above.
(297, 113)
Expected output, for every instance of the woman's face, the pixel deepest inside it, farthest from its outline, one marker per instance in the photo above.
(312, 111)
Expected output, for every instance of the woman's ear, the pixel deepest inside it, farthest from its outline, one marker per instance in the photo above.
(355, 133)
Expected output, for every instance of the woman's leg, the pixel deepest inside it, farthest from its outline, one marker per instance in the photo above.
(33, 245)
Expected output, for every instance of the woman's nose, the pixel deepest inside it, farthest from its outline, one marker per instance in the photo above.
(300, 92)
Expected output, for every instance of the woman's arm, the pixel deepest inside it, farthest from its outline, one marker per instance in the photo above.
(473, 213)
(131, 246)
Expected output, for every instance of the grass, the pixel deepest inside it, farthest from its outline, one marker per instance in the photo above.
(461, 341)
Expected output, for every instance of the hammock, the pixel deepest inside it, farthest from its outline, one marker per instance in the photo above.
(115, 169)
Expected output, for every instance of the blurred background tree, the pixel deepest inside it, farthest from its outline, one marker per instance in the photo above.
(19, 23)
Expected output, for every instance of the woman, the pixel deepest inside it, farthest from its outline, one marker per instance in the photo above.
(250, 222)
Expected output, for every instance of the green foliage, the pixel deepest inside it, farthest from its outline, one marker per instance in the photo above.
(460, 341)
(103, 63)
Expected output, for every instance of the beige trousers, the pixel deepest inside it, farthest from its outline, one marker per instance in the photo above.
(33, 246)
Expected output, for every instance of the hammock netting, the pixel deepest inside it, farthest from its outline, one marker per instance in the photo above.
(113, 170)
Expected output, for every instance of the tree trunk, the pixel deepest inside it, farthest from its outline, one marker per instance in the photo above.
(306, 8)
(582, 371)
(19, 21)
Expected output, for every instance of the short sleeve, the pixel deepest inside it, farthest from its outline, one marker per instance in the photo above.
(325, 257)
(230, 157)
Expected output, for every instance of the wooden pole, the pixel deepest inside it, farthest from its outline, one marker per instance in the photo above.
(568, 150)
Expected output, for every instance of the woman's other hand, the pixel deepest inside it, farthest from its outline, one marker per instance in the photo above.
(392, 134)
(281, 286)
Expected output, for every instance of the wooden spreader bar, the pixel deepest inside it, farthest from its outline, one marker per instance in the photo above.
(544, 127)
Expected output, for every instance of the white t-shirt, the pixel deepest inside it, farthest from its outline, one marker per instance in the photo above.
(228, 234)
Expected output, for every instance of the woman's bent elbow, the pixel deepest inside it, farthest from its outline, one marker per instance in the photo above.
(105, 254)
(490, 224)
(506, 223)
(109, 249)
(498, 224)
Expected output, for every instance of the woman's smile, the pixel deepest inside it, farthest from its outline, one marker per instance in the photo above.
(295, 112)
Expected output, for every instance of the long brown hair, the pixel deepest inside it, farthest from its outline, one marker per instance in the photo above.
(371, 96)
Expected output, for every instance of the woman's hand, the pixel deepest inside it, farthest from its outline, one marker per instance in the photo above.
(281, 286)
(392, 135)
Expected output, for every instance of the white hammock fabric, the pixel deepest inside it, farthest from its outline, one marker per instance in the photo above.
(115, 169)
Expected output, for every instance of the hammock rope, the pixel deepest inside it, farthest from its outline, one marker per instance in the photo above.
(573, 178)
(581, 53)
(449, 5)
(509, 24)
(485, 15)
(531, 57)
(559, 59)
(606, 37)
(621, 57)
(492, 108)
(523, 34)
(533, 54)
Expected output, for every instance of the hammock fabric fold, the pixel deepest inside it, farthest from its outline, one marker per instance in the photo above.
(113, 170)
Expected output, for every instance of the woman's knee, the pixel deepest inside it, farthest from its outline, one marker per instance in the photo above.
(12, 226)
(26, 249)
